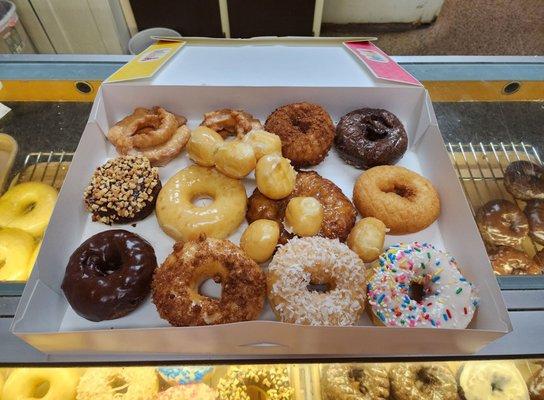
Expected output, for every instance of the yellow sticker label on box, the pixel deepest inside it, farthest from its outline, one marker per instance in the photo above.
(147, 63)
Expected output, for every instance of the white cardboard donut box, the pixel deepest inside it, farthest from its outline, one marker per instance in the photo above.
(258, 79)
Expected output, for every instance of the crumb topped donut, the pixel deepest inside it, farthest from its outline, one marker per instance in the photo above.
(415, 285)
(175, 286)
(422, 382)
(502, 223)
(338, 211)
(303, 262)
(306, 132)
(273, 381)
(355, 382)
(369, 137)
(123, 190)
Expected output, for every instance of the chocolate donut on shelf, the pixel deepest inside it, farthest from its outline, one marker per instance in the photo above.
(534, 210)
(536, 385)
(502, 223)
(524, 180)
(368, 137)
(509, 261)
(109, 275)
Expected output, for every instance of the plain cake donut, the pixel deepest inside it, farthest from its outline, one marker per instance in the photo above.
(310, 261)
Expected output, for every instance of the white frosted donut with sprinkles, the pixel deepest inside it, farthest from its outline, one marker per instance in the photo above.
(303, 262)
(445, 299)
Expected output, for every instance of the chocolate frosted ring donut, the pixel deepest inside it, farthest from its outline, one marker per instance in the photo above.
(534, 210)
(509, 261)
(109, 275)
(502, 223)
(524, 180)
(368, 137)
(306, 132)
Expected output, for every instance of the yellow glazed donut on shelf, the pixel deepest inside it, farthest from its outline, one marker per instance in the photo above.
(16, 254)
(263, 142)
(303, 216)
(41, 383)
(275, 176)
(235, 159)
(260, 239)
(131, 383)
(367, 238)
(202, 146)
(28, 206)
(183, 220)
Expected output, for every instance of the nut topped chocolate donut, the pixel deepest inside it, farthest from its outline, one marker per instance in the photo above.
(524, 180)
(109, 275)
(502, 223)
(123, 190)
(368, 137)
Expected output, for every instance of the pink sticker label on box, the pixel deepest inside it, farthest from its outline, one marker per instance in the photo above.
(380, 64)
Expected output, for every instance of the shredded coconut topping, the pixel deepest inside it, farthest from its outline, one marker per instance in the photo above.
(305, 261)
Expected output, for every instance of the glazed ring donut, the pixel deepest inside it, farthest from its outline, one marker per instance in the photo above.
(404, 201)
(16, 254)
(28, 206)
(355, 382)
(176, 283)
(338, 211)
(369, 137)
(491, 380)
(422, 382)
(229, 122)
(29, 383)
(109, 275)
(273, 381)
(183, 220)
(524, 180)
(501, 223)
(534, 211)
(509, 261)
(306, 132)
(316, 261)
(415, 285)
(131, 383)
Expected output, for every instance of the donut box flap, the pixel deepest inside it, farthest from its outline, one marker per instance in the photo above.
(46, 321)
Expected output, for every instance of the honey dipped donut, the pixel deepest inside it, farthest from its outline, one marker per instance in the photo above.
(228, 122)
(338, 211)
(306, 132)
(509, 261)
(422, 382)
(403, 200)
(176, 283)
(501, 223)
(42, 383)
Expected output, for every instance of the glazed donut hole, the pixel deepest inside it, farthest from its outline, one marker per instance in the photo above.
(202, 146)
(304, 216)
(235, 159)
(367, 238)
(275, 176)
(260, 239)
(263, 142)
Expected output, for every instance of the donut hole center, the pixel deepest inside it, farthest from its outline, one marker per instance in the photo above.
(29, 207)
(119, 385)
(2, 261)
(497, 385)
(202, 200)
(424, 375)
(357, 376)
(400, 190)
(211, 287)
(40, 390)
(416, 291)
(321, 283)
(376, 128)
(301, 124)
(209, 282)
(255, 392)
(107, 266)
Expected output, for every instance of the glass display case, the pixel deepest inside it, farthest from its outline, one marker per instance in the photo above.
(489, 112)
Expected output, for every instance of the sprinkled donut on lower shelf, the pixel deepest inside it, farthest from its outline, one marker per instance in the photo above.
(273, 381)
(415, 285)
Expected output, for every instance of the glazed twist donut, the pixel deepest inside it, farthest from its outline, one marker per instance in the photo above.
(29, 384)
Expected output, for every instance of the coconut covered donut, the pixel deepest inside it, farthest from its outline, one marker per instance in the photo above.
(316, 261)
(175, 287)
(491, 380)
(355, 382)
(415, 285)
(273, 381)
(422, 382)
(405, 201)
(306, 132)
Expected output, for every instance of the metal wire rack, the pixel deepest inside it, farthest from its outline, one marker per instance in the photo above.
(480, 167)
(48, 167)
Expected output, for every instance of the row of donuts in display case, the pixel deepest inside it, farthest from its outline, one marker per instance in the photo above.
(319, 213)
(452, 380)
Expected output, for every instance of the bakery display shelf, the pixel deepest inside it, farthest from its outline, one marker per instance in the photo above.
(480, 168)
(519, 379)
(49, 167)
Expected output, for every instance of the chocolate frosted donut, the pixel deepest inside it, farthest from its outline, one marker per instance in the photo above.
(534, 210)
(509, 261)
(109, 275)
(369, 136)
(502, 223)
(524, 180)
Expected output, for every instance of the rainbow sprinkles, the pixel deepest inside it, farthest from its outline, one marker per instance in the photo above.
(447, 300)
